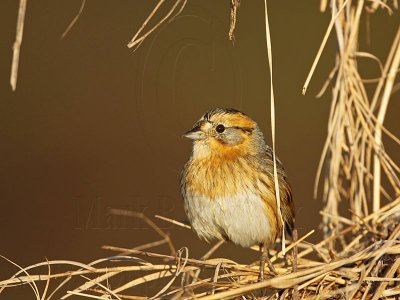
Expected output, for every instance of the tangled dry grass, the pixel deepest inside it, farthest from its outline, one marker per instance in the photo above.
(354, 154)
(363, 265)
(359, 258)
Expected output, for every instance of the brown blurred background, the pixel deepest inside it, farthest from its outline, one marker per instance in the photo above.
(94, 125)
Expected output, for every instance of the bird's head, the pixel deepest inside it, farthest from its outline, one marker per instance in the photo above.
(225, 131)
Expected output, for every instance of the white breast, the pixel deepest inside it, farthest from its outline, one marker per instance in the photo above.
(242, 218)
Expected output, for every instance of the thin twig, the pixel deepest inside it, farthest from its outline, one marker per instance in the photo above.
(173, 221)
(381, 117)
(74, 20)
(272, 100)
(17, 44)
(138, 39)
(321, 48)
(232, 25)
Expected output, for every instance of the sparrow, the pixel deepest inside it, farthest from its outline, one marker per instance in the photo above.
(228, 184)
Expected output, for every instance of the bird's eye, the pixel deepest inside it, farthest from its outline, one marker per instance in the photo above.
(220, 128)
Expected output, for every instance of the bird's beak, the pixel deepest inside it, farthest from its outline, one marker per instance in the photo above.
(195, 133)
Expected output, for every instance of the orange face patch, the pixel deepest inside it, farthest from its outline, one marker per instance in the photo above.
(228, 152)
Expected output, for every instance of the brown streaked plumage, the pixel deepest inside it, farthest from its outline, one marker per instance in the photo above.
(228, 183)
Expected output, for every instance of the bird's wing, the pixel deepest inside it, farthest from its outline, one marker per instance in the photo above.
(285, 192)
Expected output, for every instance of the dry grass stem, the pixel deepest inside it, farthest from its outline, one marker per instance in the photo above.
(173, 222)
(390, 77)
(232, 25)
(273, 122)
(17, 44)
(175, 10)
(74, 20)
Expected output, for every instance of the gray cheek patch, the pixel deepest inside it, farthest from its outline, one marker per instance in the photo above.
(231, 136)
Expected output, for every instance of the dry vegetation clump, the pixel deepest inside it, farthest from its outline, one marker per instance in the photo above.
(364, 264)
(359, 257)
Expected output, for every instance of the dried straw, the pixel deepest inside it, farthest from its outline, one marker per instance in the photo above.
(368, 268)
(359, 258)
(354, 154)
(74, 20)
(17, 44)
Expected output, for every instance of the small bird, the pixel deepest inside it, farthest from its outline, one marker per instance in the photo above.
(228, 183)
